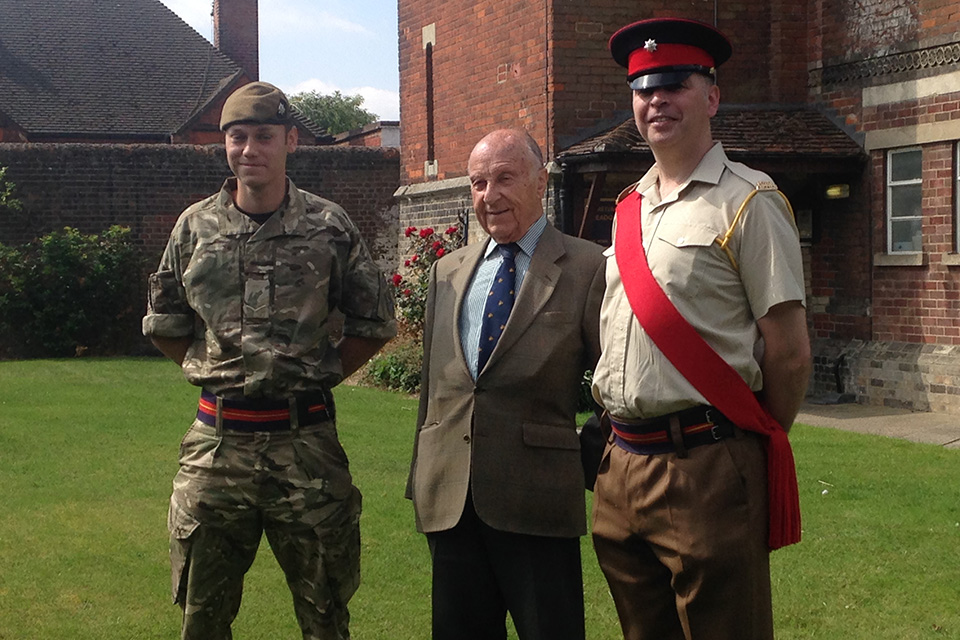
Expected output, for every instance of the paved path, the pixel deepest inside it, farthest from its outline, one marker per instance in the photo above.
(933, 428)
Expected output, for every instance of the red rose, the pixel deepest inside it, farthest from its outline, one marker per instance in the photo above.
(426, 232)
(414, 258)
(440, 252)
(409, 231)
(436, 244)
(406, 263)
(397, 279)
(451, 230)
(407, 292)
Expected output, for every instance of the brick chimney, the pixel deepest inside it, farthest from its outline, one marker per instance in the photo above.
(236, 33)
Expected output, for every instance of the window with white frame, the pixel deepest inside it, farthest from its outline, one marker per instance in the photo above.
(904, 204)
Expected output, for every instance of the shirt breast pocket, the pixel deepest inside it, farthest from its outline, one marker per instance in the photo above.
(684, 256)
(301, 283)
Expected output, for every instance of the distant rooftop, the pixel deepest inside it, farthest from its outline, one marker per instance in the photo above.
(743, 130)
(110, 68)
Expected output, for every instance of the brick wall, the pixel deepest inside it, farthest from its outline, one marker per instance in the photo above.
(236, 33)
(145, 187)
(872, 62)
(547, 68)
(920, 303)
(489, 71)
(448, 202)
(444, 205)
(838, 303)
(901, 375)
(587, 87)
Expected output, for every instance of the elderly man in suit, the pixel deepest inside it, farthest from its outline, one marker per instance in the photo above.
(496, 480)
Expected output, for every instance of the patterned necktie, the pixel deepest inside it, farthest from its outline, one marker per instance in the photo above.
(499, 303)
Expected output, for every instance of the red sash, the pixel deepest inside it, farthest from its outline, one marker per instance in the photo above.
(716, 380)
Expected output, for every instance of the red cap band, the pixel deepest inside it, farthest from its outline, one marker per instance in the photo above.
(666, 55)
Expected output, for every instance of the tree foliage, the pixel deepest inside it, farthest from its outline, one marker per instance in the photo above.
(335, 112)
(8, 203)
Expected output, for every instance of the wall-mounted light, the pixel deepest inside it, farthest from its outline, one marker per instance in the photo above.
(837, 192)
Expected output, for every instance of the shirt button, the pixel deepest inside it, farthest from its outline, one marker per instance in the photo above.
(466, 438)
(681, 240)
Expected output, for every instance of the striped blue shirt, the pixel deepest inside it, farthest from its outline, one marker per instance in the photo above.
(472, 312)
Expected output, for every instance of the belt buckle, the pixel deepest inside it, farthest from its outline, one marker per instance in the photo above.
(713, 429)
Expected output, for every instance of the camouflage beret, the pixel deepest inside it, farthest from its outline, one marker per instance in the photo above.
(255, 103)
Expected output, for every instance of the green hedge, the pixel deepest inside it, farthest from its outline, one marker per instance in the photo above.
(66, 293)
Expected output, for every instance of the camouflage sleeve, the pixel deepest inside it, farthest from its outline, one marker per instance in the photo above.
(168, 313)
(366, 301)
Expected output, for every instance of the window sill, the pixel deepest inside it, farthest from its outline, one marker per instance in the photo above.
(950, 259)
(900, 259)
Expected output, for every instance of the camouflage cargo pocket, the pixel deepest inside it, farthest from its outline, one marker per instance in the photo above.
(182, 527)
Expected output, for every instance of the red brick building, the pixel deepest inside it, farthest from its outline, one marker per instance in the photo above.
(852, 105)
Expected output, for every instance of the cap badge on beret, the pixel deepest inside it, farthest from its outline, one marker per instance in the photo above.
(255, 103)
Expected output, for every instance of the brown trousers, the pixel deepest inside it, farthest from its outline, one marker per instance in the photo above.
(683, 541)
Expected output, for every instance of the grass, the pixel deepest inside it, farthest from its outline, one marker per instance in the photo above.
(88, 451)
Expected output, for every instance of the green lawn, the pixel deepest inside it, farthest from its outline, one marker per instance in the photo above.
(88, 451)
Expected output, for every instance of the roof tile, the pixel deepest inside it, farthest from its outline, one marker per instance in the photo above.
(747, 130)
(104, 67)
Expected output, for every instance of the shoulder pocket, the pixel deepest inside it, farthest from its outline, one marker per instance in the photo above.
(167, 295)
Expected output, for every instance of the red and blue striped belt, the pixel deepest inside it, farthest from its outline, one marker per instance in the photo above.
(311, 408)
(698, 426)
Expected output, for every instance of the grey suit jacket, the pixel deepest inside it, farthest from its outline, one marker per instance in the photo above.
(511, 435)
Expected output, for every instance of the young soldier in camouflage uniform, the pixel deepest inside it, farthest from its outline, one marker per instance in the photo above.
(241, 300)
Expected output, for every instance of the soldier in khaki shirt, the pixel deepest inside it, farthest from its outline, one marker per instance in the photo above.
(680, 529)
(241, 301)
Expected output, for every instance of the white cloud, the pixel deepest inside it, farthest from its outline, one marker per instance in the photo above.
(289, 18)
(383, 102)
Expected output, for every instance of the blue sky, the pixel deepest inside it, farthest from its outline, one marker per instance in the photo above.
(322, 45)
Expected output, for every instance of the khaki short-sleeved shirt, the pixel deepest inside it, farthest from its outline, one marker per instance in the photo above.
(256, 299)
(633, 379)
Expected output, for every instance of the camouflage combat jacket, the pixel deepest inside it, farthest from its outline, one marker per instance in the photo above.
(257, 299)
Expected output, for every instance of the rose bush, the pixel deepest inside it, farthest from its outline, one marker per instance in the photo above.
(427, 246)
(398, 365)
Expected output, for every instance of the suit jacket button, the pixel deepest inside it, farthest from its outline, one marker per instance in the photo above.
(466, 438)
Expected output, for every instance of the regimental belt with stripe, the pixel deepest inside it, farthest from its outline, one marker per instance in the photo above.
(266, 415)
(698, 426)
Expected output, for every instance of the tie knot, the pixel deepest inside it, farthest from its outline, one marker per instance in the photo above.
(508, 251)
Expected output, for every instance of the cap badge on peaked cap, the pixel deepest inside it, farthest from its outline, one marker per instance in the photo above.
(664, 51)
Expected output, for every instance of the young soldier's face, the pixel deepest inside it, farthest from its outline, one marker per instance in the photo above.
(257, 153)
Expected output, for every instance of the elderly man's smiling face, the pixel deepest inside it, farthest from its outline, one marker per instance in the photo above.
(507, 184)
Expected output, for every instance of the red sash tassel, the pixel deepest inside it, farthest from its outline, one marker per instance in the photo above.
(717, 381)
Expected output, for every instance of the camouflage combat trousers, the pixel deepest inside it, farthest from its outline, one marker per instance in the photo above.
(293, 485)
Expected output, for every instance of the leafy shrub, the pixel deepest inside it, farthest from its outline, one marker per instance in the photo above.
(8, 203)
(398, 367)
(67, 292)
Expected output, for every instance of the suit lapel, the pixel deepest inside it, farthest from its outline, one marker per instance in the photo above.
(460, 278)
(538, 285)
